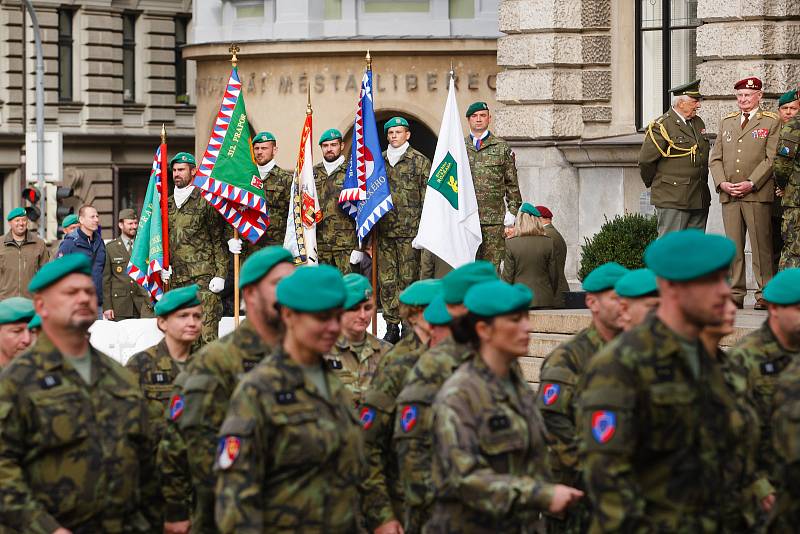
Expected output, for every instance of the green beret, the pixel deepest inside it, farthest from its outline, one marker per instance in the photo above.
(475, 107)
(788, 96)
(16, 212)
(16, 310)
(312, 288)
(263, 137)
(784, 288)
(436, 312)
(69, 220)
(421, 292)
(637, 283)
(36, 322)
(182, 157)
(177, 299)
(490, 299)
(52, 272)
(358, 289)
(604, 277)
(688, 254)
(260, 263)
(330, 135)
(127, 214)
(530, 209)
(395, 121)
(691, 89)
(458, 281)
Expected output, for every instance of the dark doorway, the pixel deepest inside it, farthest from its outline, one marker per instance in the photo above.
(422, 137)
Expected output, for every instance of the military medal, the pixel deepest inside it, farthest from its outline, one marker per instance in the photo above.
(727, 136)
(119, 268)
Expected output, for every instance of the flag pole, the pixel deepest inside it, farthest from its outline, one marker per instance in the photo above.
(374, 262)
(163, 200)
(234, 50)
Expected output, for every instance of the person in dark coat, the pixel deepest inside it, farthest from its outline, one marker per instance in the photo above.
(560, 247)
(86, 240)
(530, 258)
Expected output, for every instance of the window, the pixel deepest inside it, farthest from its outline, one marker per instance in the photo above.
(666, 53)
(181, 31)
(397, 6)
(129, 57)
(65, 66)
(333, 10)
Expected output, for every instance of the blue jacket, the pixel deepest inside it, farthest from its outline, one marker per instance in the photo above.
(77, 241)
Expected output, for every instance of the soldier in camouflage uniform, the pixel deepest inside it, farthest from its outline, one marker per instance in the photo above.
(654, 411)
(75, 446)
(336, 232)
(398, 262)
(412, 437)
(494, 173)
(355, 356)
(201, 394)
(561, 371)
(290, 456)
(196, 243)
(382, 499)
(277, 186)
(786, 168)
(489, 461)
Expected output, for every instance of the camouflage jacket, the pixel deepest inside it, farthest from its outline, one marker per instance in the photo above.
(489, 460)
(786, 166)
(557, 399)
(356, 365)
(337, 230)
(656, 429)
(383, 495)
(753, 367)
(494, 173)
(72, 454)
(197, 242)
(196, 410)
(155, 370)
(290, 459)
(786, 442)
(412, 437)
(408, 180)
(278, 187)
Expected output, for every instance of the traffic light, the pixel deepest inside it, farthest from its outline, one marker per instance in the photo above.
(31, 194)
(56, 209)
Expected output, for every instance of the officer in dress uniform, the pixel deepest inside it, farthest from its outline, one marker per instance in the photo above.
(124, 298)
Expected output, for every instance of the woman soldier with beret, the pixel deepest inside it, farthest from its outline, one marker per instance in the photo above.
(489, 462)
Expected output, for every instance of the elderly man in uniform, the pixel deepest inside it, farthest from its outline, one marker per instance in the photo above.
(673, 163)
(277, 186)
(201, 394)
(76, 450)
(741, 164)
(15, 337)
(494, 174)
(398, 262)
(336, 232)
(123, 298)
(786, 169)
(22, 254)
(197, 244)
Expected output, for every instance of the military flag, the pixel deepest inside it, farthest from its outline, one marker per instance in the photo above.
(449, 226)
(365, 193)
(304, 212)
(149, 248)
(227, 174)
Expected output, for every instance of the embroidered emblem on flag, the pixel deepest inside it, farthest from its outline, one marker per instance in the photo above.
(604, 425)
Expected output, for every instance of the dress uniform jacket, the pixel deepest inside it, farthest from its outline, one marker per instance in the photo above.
(128, 299)
(531, 260)
(18, 264)
(560, 249)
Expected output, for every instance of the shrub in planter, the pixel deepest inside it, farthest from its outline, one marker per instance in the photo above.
(622, 239)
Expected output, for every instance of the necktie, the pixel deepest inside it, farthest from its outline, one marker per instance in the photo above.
(128, 245)
(746, 120)
(478, 143)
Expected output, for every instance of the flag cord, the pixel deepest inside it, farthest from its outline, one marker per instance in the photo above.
(236, 283)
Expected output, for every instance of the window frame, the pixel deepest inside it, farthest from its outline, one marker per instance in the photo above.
(66, 43)
(129, 47)
(181, 97)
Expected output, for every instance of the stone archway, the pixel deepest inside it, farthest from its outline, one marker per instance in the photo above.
(422, 137)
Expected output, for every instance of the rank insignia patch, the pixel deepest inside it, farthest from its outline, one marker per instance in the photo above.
(408, 418)
(228, 451)
(604, 425)
(175, 407)
(367, 417)
(550, 394)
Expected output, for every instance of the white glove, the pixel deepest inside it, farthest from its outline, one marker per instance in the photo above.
(356, 256)
(216, 284)
(509, 219)
(235, 245)
(166, 273)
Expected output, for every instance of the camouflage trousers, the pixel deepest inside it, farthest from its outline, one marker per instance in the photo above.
(338, 258)
(212, 314)
(398, 268)
(493, 247)
(790, 229)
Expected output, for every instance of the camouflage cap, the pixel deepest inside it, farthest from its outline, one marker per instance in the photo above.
(458, 281)
(263, 137)
(530, 209)
(69, 220)
(788, 96)
(421, 292)
(436, 312)
(16, 212)
(182, 157)
(36, 322)
(126, 215)
(311, 289)
(16, 310)
(784, 288)
(636, 284)
(688, 254)
(52, 272)
(260, 263)
(395, 121)
(490, 299)
(476, 107)
(604, 277)
(177, 299)
(330, 135)
(358, 290)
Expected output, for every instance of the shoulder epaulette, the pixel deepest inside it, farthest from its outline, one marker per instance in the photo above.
(770, 114)
(733, 114)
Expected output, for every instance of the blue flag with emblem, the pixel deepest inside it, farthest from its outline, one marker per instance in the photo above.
(365, 193)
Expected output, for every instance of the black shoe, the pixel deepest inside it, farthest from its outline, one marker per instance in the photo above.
(392, 333)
